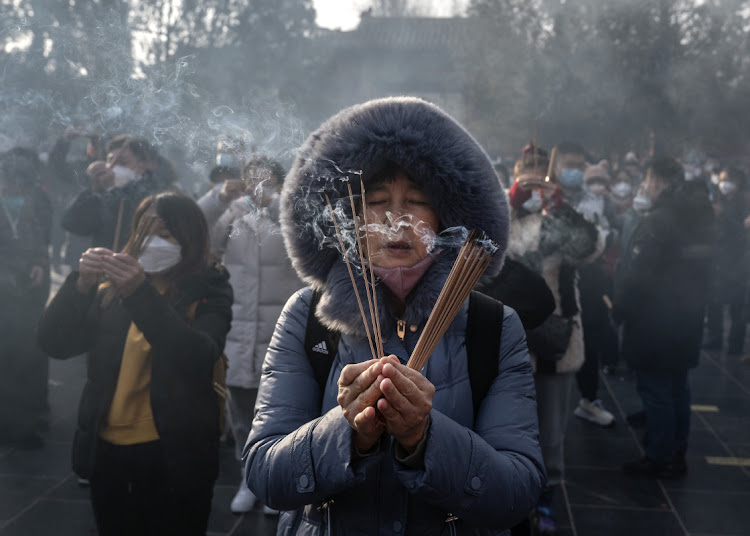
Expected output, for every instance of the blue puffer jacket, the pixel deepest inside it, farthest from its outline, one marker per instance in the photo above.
(488, 472)
(485, 473)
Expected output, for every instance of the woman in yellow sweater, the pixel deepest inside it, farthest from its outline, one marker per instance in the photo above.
(148, 427)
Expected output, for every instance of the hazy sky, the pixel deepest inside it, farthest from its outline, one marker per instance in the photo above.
(344, 14)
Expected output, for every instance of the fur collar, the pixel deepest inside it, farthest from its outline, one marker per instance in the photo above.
(434, 151)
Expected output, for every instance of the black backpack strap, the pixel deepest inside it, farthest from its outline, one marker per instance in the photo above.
(484, 329)
(321, 344)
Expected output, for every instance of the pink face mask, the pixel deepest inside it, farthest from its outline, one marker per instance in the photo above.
(401, 280)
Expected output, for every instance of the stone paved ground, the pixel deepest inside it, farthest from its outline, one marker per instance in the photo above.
(39, 495)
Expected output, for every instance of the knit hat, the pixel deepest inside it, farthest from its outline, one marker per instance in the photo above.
(598, 171)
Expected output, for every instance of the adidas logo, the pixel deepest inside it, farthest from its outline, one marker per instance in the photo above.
(321, 348)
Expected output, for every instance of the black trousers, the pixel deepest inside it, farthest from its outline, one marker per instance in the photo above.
(131, 494)
(599, 336)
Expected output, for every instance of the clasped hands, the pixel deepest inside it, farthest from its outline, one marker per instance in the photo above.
(124, 272)
(382, 395)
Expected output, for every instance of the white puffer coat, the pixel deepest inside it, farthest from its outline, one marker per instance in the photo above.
(252, 248)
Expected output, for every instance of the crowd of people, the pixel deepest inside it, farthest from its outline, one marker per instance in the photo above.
(234, 317)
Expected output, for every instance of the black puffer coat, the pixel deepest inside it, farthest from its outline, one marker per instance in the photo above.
(663, 296)
(184, 403)
(95, 214)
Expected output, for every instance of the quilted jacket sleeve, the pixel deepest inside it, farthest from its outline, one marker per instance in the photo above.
(294, 455)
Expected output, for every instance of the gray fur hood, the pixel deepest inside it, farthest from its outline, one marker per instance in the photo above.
(433, 150)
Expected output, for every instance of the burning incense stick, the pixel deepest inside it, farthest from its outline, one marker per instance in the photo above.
(473, 259)
(372, 274)
(368, 290)
(551, 167)
(118, 227)
(142, 234)
(351, 276)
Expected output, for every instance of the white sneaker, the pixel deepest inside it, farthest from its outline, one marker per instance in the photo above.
(594, 412)
(270, 511)
(243, 501)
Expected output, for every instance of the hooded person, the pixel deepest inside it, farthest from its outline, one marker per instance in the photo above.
(729, 271)
(365, 450)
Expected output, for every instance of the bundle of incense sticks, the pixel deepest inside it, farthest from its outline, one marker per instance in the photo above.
(372, 328)
(473, 259)
(146, 228)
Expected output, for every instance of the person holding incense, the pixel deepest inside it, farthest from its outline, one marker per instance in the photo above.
(374, 445)
(149, 418)
(117, 185)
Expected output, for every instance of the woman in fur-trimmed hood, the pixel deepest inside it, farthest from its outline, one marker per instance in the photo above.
(366, 451)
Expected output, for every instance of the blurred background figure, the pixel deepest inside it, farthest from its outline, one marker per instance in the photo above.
(661, 304)
(622, 191)
(230, 157)
(133, 170)
(148, 422)
(549, 237)
(71, 154)
(568, 168)
(243, 216)
(729, 277)
(230, 152)
(595, 281)
(632, 167)
(24, 286)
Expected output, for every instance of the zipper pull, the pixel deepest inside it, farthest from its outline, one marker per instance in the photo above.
(401, 329)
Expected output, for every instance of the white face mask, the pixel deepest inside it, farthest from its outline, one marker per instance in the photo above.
(228, 160)
(534, 203)
(727, 187)
(642, 203)
(159, 255)
(715, 178)
(621, 190)
(123, 175)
